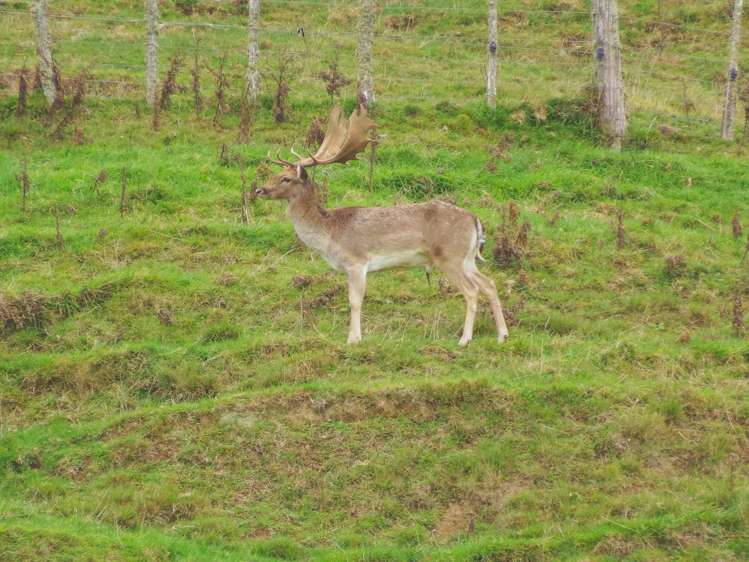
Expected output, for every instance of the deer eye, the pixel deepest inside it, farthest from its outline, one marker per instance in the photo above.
(284, 180)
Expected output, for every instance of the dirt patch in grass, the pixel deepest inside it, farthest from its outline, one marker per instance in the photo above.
(457, 520)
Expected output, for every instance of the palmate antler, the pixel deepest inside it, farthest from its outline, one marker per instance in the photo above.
(343, 140)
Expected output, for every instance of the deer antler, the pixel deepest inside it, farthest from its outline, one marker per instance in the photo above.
(278, 160)
(342, 141)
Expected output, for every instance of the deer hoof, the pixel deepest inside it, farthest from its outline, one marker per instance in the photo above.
(503, 338)
(463, 342)
(353, 339)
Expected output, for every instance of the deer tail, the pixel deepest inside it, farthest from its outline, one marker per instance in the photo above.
(481, 240)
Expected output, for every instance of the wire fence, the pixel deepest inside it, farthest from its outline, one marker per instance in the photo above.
(681, 70)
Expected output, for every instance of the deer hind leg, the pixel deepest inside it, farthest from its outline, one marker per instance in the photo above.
(470, 290)
(357, 283)
(489, 289)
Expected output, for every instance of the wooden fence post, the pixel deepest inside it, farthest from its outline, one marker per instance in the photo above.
(491, 62)
(728, 126)
(152, 51)
(612, 117)
(365, 81)
(44, 51)
(252, 81)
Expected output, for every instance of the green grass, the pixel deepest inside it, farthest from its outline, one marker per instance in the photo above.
(169, 392)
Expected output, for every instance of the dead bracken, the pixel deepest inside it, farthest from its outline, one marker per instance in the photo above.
(512, 242)
(675, 266)
(736, 226)
(31, 310)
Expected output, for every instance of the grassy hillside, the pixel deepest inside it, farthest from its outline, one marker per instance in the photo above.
(175, 384)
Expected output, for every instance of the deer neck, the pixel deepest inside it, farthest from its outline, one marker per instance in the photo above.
(308, 218)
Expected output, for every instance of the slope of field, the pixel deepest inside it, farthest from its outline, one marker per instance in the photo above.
(175, 384)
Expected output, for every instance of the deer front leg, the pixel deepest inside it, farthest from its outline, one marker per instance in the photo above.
(357, 282)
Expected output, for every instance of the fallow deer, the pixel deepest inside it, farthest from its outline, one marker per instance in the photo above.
(357, 240)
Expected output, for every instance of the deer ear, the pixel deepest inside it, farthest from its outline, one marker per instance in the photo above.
(301, 173)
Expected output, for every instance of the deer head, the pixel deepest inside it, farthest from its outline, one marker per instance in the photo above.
(343, 141)
(290, 183)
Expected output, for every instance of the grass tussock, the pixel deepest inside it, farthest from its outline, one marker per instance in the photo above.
(31, 310)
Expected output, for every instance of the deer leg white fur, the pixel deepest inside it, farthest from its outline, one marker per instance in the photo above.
(489, 289)
(357, 283)
(469, 289)
(471, 294)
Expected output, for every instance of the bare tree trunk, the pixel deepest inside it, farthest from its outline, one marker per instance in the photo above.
(44, 50)
(491, 62)
(152, 50)
(365, 81)
(252, 82)
(728, 127)
(612, 117)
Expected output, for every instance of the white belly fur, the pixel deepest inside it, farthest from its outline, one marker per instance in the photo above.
(407, 258)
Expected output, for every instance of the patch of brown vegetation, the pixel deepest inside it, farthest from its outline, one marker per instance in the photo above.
(514, 18)
(499, 152)
(685, 336)
(301, 281)
(736, 226)
(576, 44)
(620, 234)
(615, 546)
(439, 353)
(73, 469)
(170, 86)
(675, 266)
(222, 84)
(344, 16)
(334, 80)
(27, 310)
(23, 89)
(315, 133)
(506, 253)
(512, 245)
(79, 88)
(33, 310)
(280, 98)
(323, 299)
(404, 22)
(165, 316)
(420, 404)
(513, 311)
(457, 520)
(738, 315)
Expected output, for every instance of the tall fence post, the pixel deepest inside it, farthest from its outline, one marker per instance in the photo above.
(44, 51)
(728, 126)
(491, 62)
(252, 81)
(612, 117)
(152, 50)
(365, 81)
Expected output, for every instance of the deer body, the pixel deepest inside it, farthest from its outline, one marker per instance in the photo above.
(358, 240)
(375, 236)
